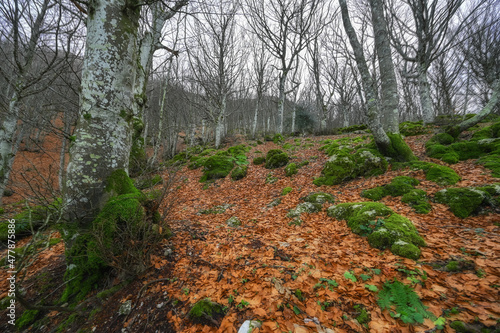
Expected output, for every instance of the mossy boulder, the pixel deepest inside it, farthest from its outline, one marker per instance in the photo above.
(233, 222)
(291, 169)
(319, 198)
(488, 132)
(216, 167)
(439, 174)
(206, 312)
(345, 165)
(418, 200)
(399, 185)
(441, 138)
(384, 228)
(407, 250)
(412, 128)
(278, 139)
(462, 201)
(239, 172)
(304, 207)
(491, 162)
(276, 158)
(359, 214)
(259, 160)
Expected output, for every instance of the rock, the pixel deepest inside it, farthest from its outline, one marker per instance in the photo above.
(125, 308)
(233, 222)
(304, 207)
(249, 325)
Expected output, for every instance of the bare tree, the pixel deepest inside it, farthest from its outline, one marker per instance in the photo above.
(422, 41)
(215, 60)
(389, 143)
(34, 43)
(286, 27)
(482, 51)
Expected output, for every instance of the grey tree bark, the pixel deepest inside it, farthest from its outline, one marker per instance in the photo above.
(103, 132)
(389, 144)
(389, 88)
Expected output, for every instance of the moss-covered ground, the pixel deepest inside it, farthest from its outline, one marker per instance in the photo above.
(281, 270)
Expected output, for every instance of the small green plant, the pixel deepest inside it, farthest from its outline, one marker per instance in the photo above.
(298, 293)
(185, 291)
(350, 276)
(286, 190)
(403, 303)
(242, 304)
(371, 227)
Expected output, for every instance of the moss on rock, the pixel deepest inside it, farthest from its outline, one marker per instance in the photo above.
(439, 174)
(404, 249)
(401, 185)
(239, 172)
(217, 166)
(304, 207)
(491, 162)
(385, 229)
(344, 165)
(462, 201)
(398, 186)
(417, 199)
(276, 158)
(319, 198)
(259, 160)
(291, 169)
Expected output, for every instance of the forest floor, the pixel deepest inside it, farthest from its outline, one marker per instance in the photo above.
(282, 274)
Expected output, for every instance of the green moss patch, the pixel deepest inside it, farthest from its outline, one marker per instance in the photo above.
(222, 163)
(259, 160)
(346, 164)
(319, 198)
(484, 145)
(291, 169)
(239, 172)
(206, 312)
(418, 200)
(216, 167)
(439, 174)
(118, 240)
(463, 201)
(411, 128)
(276, 158)
(398, 186)
(384, 228)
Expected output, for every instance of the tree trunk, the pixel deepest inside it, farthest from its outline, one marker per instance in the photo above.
(425, 96)
(389, 87)
(281, 102)
(455, 131)
(389, 144)
(255, 117)
(104, 130)
(7, 146)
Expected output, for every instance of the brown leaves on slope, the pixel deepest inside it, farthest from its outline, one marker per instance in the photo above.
(255, 270)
